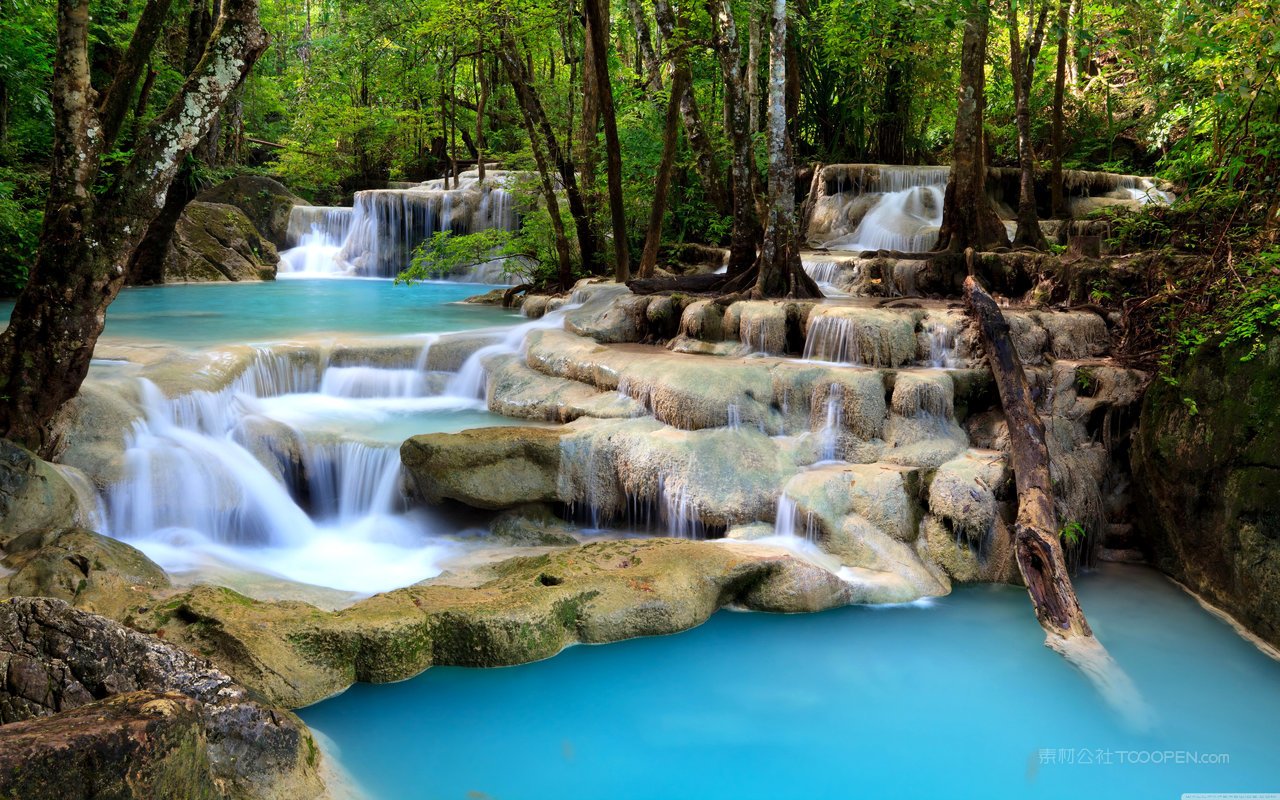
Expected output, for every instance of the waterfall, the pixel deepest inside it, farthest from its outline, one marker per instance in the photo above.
(829, 436)
(870, 207)
(242, 476)
(942, 344)
(377, 236)
(787, 521)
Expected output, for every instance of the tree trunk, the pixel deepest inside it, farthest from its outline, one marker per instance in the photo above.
(754, 43)
(522, 83)
(644, 45)
(598, 24)
(709, 172)
(670, 138)
(533, 119)
(1036, 544)
(481, 101)
(746, 223)
(1022, 65)
(781, 273)
(87, 236)
(588, 134)
(1056, 188)
(968, 217)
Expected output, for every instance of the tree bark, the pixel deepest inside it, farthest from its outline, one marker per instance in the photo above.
(1022, 63)
(709, 172)
(670, 138)
(533, 119)
(522, 83)
(781, 273)
(87, 236)
(755, 39)
(1057, 190)
(968, 217)
(746, 223)
(598, 24)
(644, 45)
(1036, 544)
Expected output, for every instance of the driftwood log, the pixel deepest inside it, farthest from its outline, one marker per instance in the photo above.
(1035, 531)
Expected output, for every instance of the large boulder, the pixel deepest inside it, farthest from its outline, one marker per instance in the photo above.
(217, 242)
(34, 495)
(94, 572)
(1206, 464)
(493, 468)
(266, 202)
(55, 659)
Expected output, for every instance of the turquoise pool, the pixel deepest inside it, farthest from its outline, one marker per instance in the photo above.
(958, 699)
(221, 313)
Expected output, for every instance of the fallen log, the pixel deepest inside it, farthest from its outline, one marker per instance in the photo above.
(1035, 531)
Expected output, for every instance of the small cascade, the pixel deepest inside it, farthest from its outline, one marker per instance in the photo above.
(787, 521)
(879, 207)
(348, 481)
(472, 379)
(942, 344)
(377, 236)
(678, 513)
(829, 436)
(734, 417)
(373, 382)
(233, 477)
(845, 340)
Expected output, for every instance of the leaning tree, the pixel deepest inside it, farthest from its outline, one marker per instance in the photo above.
(94, 220)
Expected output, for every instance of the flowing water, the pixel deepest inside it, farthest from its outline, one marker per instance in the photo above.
(378, 234)
(293, 469)
(956, 698)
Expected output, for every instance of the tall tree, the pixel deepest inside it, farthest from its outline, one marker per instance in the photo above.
(598, 24)
(542, 142)
(88, 235)
(670, 139)
(705, 161)
(781, 273)
(968, 217)
(746, 222)
(1056, 188)
(1023, 52)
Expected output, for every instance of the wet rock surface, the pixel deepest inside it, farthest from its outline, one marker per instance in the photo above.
(151, 708)
(1207, 479)
(217, 242)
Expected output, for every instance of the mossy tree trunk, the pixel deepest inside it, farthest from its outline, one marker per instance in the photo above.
(598, 23)
(968, 217)
(781, 273)
(89, 234)
(746, 222)
(1023, 53)
(1036, 545)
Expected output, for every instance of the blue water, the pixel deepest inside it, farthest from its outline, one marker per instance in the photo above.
(956, 700)
(221, 313)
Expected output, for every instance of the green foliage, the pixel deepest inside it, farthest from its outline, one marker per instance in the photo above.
(446, 253)
(1072, 534)
(21, 211)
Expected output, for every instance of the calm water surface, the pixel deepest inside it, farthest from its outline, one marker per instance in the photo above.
(956, 700)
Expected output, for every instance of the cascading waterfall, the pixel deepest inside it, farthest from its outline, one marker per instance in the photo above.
(883, 208)
(942, 344)
(829, 436)
(377, 236)
(241, 476)
(787, 521)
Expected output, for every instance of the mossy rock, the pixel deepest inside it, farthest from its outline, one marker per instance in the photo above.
(34, 496)
(217, 242)
(91, 571)
(266, 202)
(1207, 466)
